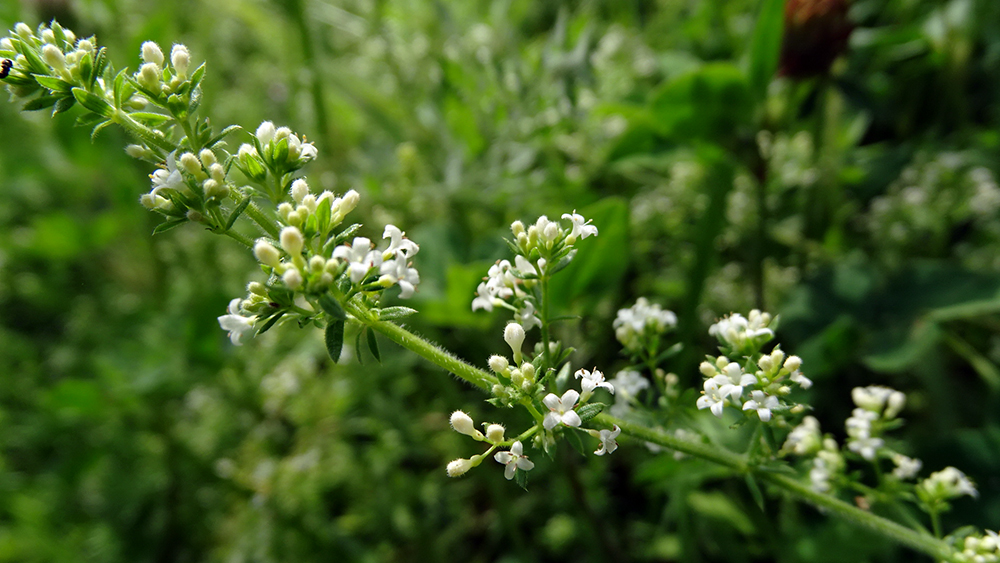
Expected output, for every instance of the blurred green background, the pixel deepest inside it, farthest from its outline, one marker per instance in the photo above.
(853, 189)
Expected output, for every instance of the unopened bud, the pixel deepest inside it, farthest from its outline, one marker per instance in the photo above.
(292, 278)
(257, 288)
(299, 190)
(462, 423)
(267, 254)
(793, 363)
(707, 369)
(265, 132)
(53, 56)
(494, 433)
(317, 263)
(84, 44)
(138, 151)
(459, 467)
(180, 59)
(151, 53)
(499, 364)
(149, 77)
(191, 163)
(513, 335)
(517, 228)
(291, 241)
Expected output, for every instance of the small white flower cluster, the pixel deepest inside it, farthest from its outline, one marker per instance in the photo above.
(513, 460)
(627, 384)
(877, 409)
(876, 406)
(187, 190)
(542, 249)
(742, 335)
(727, 383)
(641, 324)
(156, 78)
(982, 549)
(944, 485)
(274, 149)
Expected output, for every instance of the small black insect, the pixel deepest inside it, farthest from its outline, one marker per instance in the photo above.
(5, 67)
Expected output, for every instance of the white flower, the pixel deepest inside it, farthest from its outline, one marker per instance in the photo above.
(629, 383)
(762, 404)
(561, 410)
(527, 317)
(712, 398)
(167, 179)
(581, 227)
(514, 460)
(591, 381)
(880, 400)
(639, 320)
(946, 484)
(235, 323)
(397, 271)
(360, 257)
(525, 267)
(484, 298)
(864, 445)
(906, 467)
(859, 424)
(732, 379)
(805, 438)
(740, 333)
(398, 244)
(608, 443)
(501, 282)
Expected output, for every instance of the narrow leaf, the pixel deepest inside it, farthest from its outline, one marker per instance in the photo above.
(237, 211)
(93, 102)
(270, 322)
(590, 410)
(373, 345)
(758, 497)
(357, 347)
(334, 339)
(765, 46)
(395, 313)
(332, 307)
(167, 225)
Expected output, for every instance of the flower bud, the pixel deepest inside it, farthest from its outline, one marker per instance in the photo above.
(180, 59)
(292, 278)
(299, 190)
(551, 231)
(267, 254)
(53, 56)
(707, 369)
(151, 53)
(265, 132)
(6, 45)
(528, 370)
(317, 263)
(84, 45)
(349, 201)
(459, 467)
(513, 335)
(517, 228)
(793, 363)
(23, 31)
(291, 241)
(70, 36)
(215, 189)
(285, 210)
(499, 364)
(149, 78)
(207, 157)
(462, 423)
(191, 163)
(494, 433)
(49, 36)
(894, 404)
(217, 172)
(138, 151)
(257, 288)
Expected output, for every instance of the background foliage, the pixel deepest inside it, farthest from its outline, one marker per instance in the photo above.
(861, 204)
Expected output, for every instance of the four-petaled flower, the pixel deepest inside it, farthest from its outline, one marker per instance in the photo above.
(581, 227)
(712, 398)
(608, 443)
(360, 257)
(514, 460)
(591, 381)
(561, 410)
(762, 404)
(235, 323)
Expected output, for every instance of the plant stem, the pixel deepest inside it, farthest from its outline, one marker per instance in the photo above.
(242, 239)
(545, 324)
(257, 216)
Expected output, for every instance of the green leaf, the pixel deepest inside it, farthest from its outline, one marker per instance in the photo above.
(765, 46)
(270, 322)
(521, 477)
(395, 313)
(41, 102)
(93, 102)
(334, 338)
(332, 307)
(53, 83)
(86, 66)
(373, 345)
(357, 347)
(167, 225)
(590, 410)
(97, 128)
(225, 132)
(758, 497)
(574, 440)
(64, 105)
(713, 103)
(237, 211)
(150, 119)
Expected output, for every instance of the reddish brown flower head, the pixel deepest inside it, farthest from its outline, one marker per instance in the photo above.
(816, 32)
